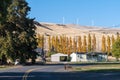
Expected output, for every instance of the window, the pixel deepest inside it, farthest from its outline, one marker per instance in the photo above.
(81, 56)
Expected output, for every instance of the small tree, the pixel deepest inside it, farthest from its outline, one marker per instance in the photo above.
(116, 49)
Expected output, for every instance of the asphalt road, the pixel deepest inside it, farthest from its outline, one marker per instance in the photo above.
(53, 72)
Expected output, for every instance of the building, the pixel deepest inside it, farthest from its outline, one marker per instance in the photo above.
(59, 57)
(90, 57)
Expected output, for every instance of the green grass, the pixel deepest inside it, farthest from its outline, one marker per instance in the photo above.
(1, 67)
(103, 70)
(4, 67)
(99, 68)
(115, 62)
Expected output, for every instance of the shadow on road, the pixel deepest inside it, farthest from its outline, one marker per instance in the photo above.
(11, 76)
(42, 75)
(71, 64)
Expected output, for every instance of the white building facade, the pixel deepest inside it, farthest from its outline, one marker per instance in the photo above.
(56, 57)
(91, 57)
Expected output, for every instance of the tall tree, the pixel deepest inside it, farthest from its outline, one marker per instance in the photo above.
(60, 44)
(65, 44)
(113, 39)
(40, 41)
(103, 44)
(79, 44)
(118, 35)
(53, 44)
(57, 44)
(89, 43)
(22, 30)
(49, 43)
(108, 45)
(94, 43)
(74, 45)
(69, 46)
(84, 45)
(5, 36)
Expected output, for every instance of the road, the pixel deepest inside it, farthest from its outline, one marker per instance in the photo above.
(53, 72)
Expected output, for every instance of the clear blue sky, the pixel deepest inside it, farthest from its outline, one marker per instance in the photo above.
(86, 12)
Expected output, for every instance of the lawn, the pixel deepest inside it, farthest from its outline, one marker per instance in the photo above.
(3, 67)
(98, 67)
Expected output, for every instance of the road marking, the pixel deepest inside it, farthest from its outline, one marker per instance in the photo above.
(30, 70)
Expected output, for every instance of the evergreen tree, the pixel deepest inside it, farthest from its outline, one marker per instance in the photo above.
(5, 36)
(17, 31)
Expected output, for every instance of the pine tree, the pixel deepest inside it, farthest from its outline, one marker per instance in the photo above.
(5, 37)
(22, 30)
